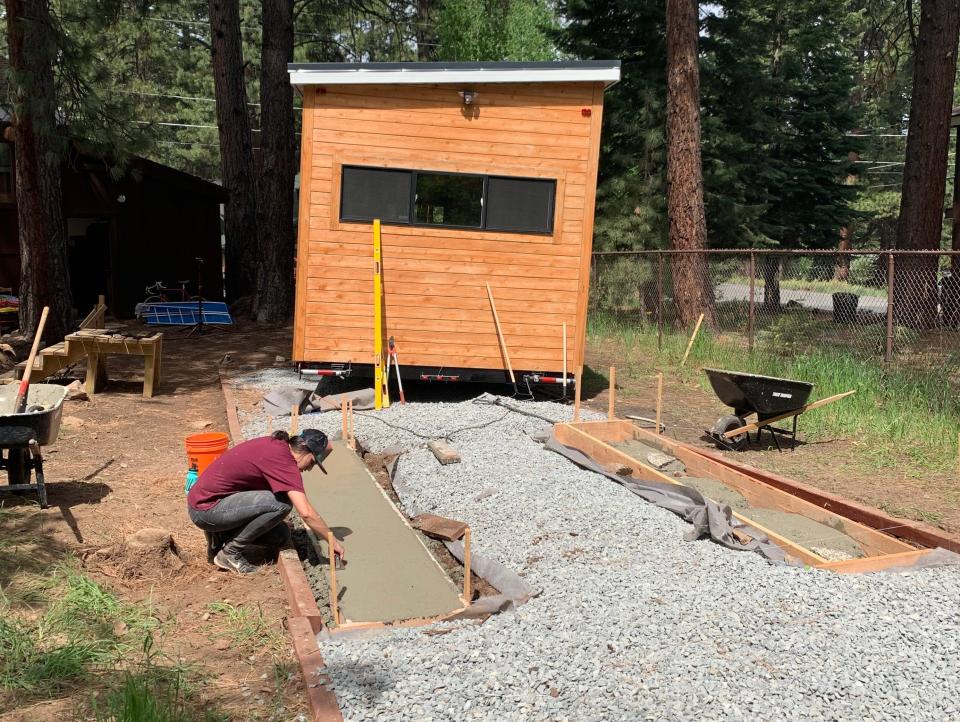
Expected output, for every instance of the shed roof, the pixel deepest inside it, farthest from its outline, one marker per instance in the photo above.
(955, 121)
(565, 71)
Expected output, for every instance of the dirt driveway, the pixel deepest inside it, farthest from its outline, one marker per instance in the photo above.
(119, 466)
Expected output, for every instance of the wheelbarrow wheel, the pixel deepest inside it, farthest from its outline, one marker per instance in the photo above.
(18, 468)
(729, 423)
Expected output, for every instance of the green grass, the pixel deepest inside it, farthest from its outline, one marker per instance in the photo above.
(71, 635)
(64, 630)
(246, 627)
(152, 694)
(897, 414)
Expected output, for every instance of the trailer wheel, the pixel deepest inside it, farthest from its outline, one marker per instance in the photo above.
(18, 470)
(729, 423)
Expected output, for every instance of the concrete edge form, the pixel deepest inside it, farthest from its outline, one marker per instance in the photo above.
(877, 562)
(304, 621)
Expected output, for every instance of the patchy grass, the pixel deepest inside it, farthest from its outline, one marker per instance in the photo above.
(62, 633)
(897, 413)
(246, 627)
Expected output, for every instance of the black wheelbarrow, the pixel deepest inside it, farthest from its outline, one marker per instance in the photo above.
(22, 435)
(772, 399)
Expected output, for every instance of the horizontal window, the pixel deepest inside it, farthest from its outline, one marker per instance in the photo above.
(454, 200)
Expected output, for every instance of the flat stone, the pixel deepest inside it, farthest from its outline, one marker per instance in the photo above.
(445, 453)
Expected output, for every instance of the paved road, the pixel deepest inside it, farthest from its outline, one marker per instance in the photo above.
(814, 300)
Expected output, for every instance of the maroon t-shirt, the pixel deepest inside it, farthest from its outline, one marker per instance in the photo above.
(259, 464)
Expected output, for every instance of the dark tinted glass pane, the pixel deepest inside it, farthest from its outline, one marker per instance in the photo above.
(449, 200)
(369, 193)
(515, 204)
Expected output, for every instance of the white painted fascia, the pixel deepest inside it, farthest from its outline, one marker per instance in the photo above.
(356, 76)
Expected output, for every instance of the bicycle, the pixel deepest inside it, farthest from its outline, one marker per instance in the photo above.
(158, 293)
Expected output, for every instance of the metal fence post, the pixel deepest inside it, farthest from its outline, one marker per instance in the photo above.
(890, 280)
(751, 316)
(659, 300)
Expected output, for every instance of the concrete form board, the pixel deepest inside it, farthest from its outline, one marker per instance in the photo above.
(390, 575)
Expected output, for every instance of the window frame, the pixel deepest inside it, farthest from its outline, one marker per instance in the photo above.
(482, 228)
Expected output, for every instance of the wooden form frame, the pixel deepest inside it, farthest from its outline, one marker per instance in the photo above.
(881, 550)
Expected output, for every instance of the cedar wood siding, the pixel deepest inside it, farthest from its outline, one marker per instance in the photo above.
(434, 278)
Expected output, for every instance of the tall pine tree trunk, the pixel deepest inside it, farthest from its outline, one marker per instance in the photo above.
(274, 296)
(44, 275)
(236, 150)
(925, 171)
(693, 292)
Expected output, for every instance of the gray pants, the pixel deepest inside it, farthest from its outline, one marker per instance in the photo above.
(246, 519)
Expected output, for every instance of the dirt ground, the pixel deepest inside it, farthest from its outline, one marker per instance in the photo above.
(841, 466)
(119, 466)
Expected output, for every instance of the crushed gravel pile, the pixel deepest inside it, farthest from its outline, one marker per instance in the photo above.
(633, 622)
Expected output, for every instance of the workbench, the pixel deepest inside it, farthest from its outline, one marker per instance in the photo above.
(97, 343)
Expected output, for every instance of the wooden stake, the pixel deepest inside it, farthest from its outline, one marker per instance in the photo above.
(958, 455)
(343, 421)
(467, 591)
(659, 400)
(333, 579)
(612, 402)
(294, 418)
(576, 398)
(693, 337)
(270, 425)
(352, 440)
(503, 342)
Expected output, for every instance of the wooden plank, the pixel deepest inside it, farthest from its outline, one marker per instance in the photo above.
(438, 347)
(316, 683)
(450, 360)
(876, 564)
(443, 287)
(439, 527)
(583, 290)
(453, 118)
(907, 529)
(519, 280)
(303, 224)
(405, 126)
(444, 452)
(455, 160)
(439, 309)
(463, 147)
(443, 252)
(425, 266)
(603, 453)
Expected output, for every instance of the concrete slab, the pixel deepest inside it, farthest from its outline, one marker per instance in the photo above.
(389, 575)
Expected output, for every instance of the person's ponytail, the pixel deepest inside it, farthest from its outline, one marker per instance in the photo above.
(281, 435)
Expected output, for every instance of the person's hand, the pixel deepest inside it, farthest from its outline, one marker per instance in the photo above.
(338, 550)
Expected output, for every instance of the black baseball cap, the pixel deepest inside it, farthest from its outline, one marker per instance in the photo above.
(316, 441)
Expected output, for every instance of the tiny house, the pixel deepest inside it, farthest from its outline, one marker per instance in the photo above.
(480, 173)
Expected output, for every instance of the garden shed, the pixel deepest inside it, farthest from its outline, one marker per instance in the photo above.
(480, 173)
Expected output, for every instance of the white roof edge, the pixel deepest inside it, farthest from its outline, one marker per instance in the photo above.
(304, 76)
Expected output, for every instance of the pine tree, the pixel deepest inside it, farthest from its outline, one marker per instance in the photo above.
(631, 190)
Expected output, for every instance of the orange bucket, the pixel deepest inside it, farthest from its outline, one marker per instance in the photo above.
(204, 449)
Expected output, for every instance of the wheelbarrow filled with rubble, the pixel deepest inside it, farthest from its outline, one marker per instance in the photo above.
(772, 399)
(22, 435)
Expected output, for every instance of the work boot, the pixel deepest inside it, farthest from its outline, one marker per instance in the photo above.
(233, 561)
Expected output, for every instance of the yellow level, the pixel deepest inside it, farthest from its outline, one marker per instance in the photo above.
(381, 393)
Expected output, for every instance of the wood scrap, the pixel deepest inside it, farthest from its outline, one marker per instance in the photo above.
(445, 453)
(440, 527)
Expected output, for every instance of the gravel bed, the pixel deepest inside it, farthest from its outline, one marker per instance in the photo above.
(633, 623)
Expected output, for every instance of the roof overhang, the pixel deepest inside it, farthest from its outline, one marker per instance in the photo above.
(955, 120)
(582, 71)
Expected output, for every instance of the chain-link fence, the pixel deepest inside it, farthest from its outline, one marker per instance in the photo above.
(897, 306)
